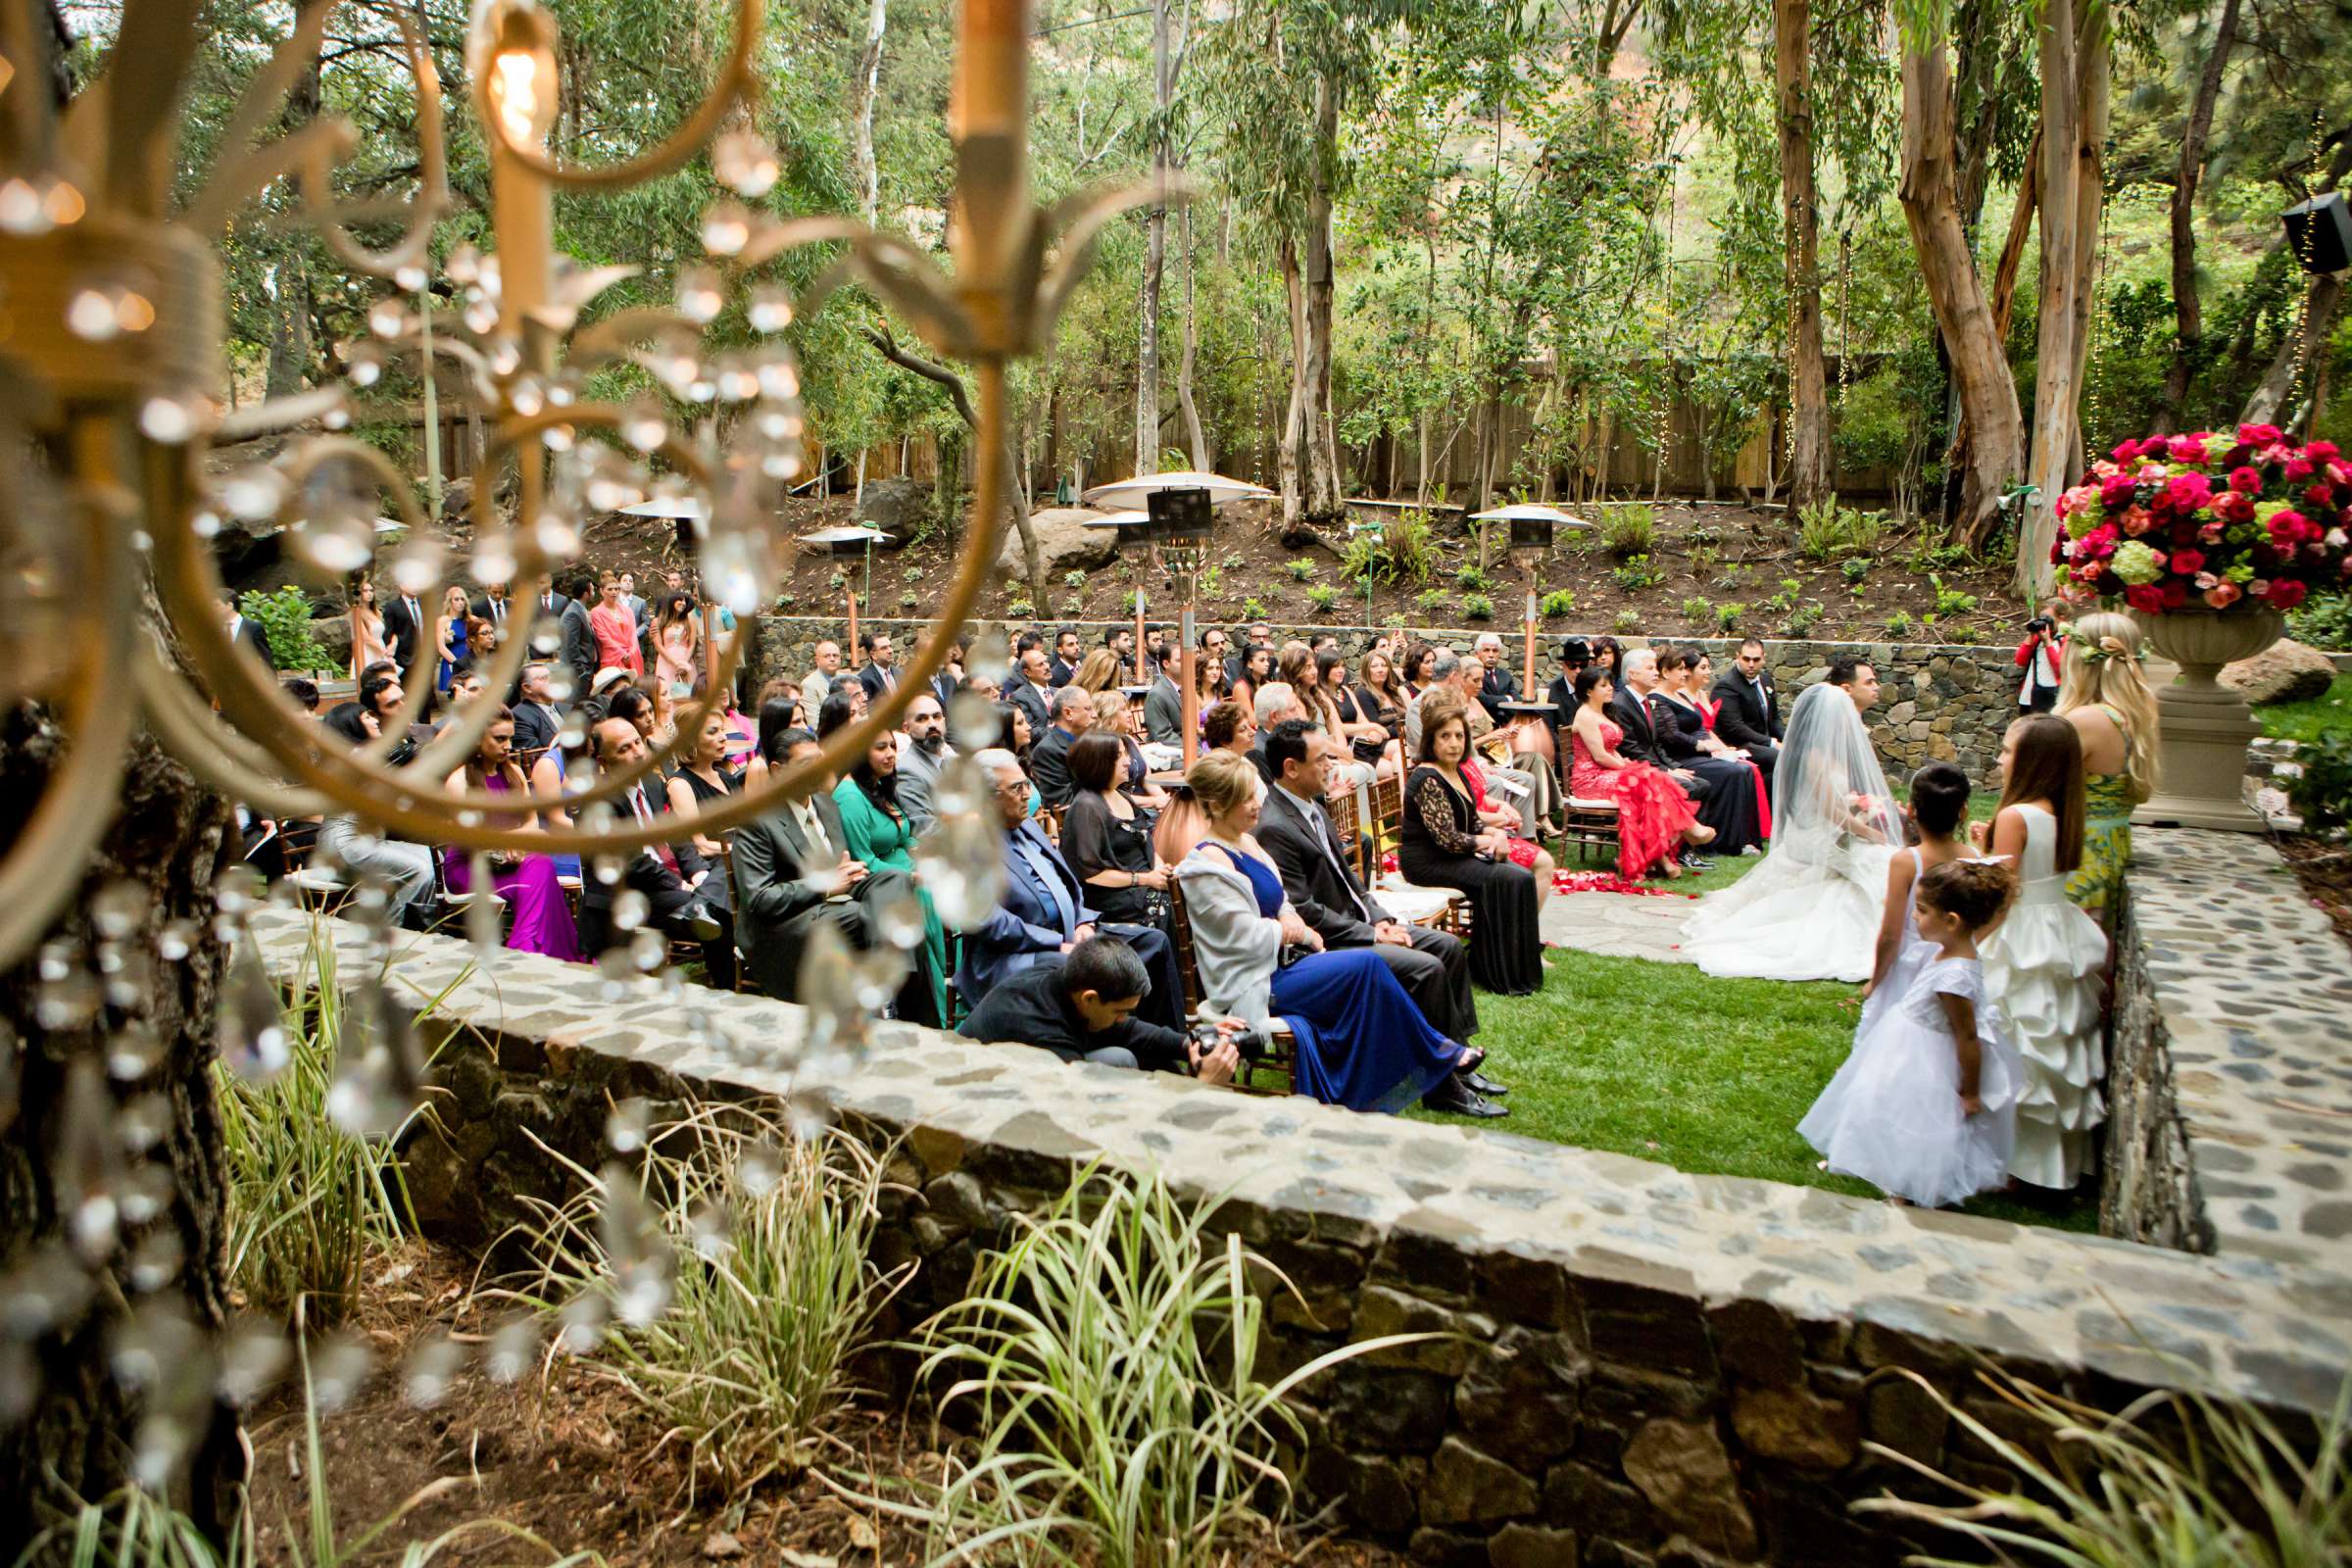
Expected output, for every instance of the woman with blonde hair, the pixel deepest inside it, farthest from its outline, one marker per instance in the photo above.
(2106, 699)
(1098, 672)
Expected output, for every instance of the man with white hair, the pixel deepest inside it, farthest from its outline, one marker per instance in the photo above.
(1050, 753)
(1043, 915)
(1275, 702)
(1497, 685)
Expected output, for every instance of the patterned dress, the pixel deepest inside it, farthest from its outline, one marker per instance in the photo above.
(2106, 834)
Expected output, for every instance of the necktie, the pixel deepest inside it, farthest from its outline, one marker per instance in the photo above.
(1324, 838)
(813, 829)
(645, 818)
(547, 601)
(1041, 865)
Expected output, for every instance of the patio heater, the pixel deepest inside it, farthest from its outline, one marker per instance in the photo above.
(1531, 527)
(843, 543)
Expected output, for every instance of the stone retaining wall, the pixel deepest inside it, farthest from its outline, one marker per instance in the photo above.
(1942, 701)
(2231, 1090)
(1652, 1367)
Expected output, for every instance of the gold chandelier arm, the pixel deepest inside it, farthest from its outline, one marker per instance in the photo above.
(414, 248)
(736, 83)
(46, 864)
(278, 413)
(212, 750)
(775, 239)
(325, 140)
(1088, 214)
(613, 338)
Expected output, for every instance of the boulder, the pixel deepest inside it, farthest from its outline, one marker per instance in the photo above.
(898, 506)
(333, 633)
(2286, 671)
(1066, 542)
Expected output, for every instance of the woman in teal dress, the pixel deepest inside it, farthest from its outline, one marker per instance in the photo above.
(2106, 699)
(881, 834)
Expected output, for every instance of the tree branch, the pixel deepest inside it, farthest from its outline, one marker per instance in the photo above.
(958, 394)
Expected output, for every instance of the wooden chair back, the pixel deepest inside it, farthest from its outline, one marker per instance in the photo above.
(1179, 935)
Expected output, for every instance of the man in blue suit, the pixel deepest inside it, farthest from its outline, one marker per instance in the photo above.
(1043, 912)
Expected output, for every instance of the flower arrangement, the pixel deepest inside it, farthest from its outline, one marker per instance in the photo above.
(2207, 521)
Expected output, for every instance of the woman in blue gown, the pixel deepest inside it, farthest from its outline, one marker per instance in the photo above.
(1361, 1042)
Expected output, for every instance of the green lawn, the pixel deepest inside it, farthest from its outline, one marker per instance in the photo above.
(2307, 722)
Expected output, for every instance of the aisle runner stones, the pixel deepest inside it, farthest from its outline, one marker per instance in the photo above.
(1618, 925)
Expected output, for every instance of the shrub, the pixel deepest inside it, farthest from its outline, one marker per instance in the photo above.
(1074, 579)
(1109, 1356)
(1322, 596)
(1478, 606)
(1212, 582)
(908, 599)
(1865, 532)
(1821, 531)
(1403, 549)
(1252, 609)
(1855, 567)
(1559, 602)
(2321, 789)
(1695, 608)
(2324, 620)
(1629, 529)
(1898, 625)
(1727, 616)
(1472, 579)
(285, 619)
(1785, 599)
(1951, 601)
(1300, 570)
(1627, 621)
(1020, 609)
(762, 1239)
(838, 580)
(1127, 601)
(1432, 599)
(1636, 574)
(1803, 618)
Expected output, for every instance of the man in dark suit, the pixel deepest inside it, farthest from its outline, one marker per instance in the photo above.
(879, 675)
(1042, 914)
(1065, 659)
(579, 654)
(672, 876)
(1082, 1008)
(536, 716)
(1750, 715)
(1032, 690)
(1050, 752)
(405, 621)
(1497, 685)
(247, 633)
(491, 606)
(792, 873)
(1631, 709)
(1433, 966)
(1163, 707)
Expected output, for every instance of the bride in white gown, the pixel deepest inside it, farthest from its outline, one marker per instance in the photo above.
(1811, 910)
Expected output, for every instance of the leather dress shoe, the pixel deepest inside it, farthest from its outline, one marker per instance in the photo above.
(1696, 862)
(1483, 1084)
(1459, 1099)
(697, 921)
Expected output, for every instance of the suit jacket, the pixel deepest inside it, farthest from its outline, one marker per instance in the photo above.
(780, 881)
(647, 871)
(1497, 687)
(483, 609)
(534, 728)
(1163, 713)
(1050, 765)
(1060, 673)
(1029, 700)
(1033, 1009)
(255, 640)
(919, 777)
(942, 687)
(579, 645)
(402, 630)
(1316, 876)
(1027, 928)
(1748, 717)
(1644, 729)
(873, 677)
(1474, 713)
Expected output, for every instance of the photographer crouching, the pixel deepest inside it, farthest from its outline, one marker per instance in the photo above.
(1081, 1007)
(2042, 658)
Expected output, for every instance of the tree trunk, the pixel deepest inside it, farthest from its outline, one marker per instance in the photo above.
(1291, 448)
(1980, 369)
(2271, 399)
(1319, 456)
(2189, 316)
(1196, 438)
(166, 840)
(960, 398)
(863, 169)
(1808, 381)
(1155, 248)
(2074, 131)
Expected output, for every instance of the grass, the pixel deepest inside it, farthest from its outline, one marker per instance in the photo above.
(2309, 721)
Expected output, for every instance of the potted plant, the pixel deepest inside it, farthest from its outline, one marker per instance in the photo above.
(2208, 540)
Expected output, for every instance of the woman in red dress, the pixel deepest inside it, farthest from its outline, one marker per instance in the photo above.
(1654, 819)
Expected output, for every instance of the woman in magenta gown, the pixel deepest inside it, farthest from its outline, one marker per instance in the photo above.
(1654, 817)
(542, 919)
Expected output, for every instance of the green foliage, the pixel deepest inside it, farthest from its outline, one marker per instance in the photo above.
(2324, 620)
(1557, 603)
(1020, 609)
(1252, 609)
(1074, 579)
(1785, 599)
(1401, 551)
(1821, 529)
(1432, 601)
(1727, 615)
(1629, 528)
(1212, 583)
(1855, 567)
(1322, 596)
(1127, 601)
(1803, 620)
(2322, 788)
(1636, 574)
(1696, 608)
(1951, 601)
(286, 619)
(908, 599)
(1627, 620)
(1899, 623)
(1300, 570)
(1478, 606)
(1109, 1359)
(1472, 579)
(763, 1238)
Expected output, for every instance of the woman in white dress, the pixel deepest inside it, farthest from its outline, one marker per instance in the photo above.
(1811, 912)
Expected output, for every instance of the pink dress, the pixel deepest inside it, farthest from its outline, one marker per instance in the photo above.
(674, 659)
(1523, 851)
(1651, 809)
(617, 639)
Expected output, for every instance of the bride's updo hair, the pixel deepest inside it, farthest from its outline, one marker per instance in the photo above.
(1972, 891)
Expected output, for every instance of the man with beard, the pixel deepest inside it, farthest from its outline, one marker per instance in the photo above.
(919, 760)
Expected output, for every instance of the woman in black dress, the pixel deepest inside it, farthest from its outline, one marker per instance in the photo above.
(1445, 845)
(1732, 796)
(1108, 839)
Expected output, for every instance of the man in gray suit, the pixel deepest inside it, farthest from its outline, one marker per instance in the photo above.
(1163, 709)
(791, 872)
(919, 760)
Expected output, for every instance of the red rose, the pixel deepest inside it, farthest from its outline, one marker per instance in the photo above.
(2118, 492)
(2173, 592)
(2189, 491)
(2058, 549)
(2319, 495)
(2124, 451)
(2189, 562)
(2257, 435)
(2245, 481)
(2185, 449)
(2321, 451)
(2145, 596)
(2236, 506)
(2286, 593)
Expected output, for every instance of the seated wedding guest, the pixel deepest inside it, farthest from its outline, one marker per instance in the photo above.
(1654, 817)
(1044, 913)
(1256, 671)
(1272, 702)
(817, 684)
(1521, 852)
(1065, 665)
(1098, 672)
(672, 876)
(1419, 674)
(1163, 706)
(1444, 845)
(1380, 700)
(1082, 1008)
(1210, 684)
(1119, 718)
(1013, 732)
(1229, 727)
(1108, 839)
(1747, 707)
(304, 693)
(877, 832)
(950, 672)
(1651, 733)
(1455, 681)
(1360, 1041)
(1497, 685)
(536, 717)
(1575, 655)
(779, 710)
(1318, 874)
(703, 777)
(541, 920)
(1050, 754)
(1031, 689)
(1609, 657)
(1356, 736)
(616, 628)
(405, 869)
(792, 872)
(925, 752)
(1733, 803)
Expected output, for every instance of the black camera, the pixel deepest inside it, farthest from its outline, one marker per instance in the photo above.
(2040, 626)
(1249, 1042)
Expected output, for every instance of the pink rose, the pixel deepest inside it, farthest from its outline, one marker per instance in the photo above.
(2137, 520)
(2185, 449)
(2319, 495)
(2210, 533)
(2143, 596)
(2118, 492)
(2257, 435)
(2207, 581)
(2298, 468)
(2189, 491)
(2321, 451)
(2220, 595)
(2286, 593)
(2245, 481)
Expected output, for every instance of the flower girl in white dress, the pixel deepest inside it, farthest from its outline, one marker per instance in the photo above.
(1925, 1108)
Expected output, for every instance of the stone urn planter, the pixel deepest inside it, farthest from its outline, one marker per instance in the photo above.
(2205, 725)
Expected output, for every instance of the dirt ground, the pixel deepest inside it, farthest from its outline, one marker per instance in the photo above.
(2325, 871)
(564, 1454)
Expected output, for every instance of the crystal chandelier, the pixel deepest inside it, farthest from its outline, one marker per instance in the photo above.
(111, 333)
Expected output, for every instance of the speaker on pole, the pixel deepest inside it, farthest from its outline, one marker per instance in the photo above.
(2320, 232)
